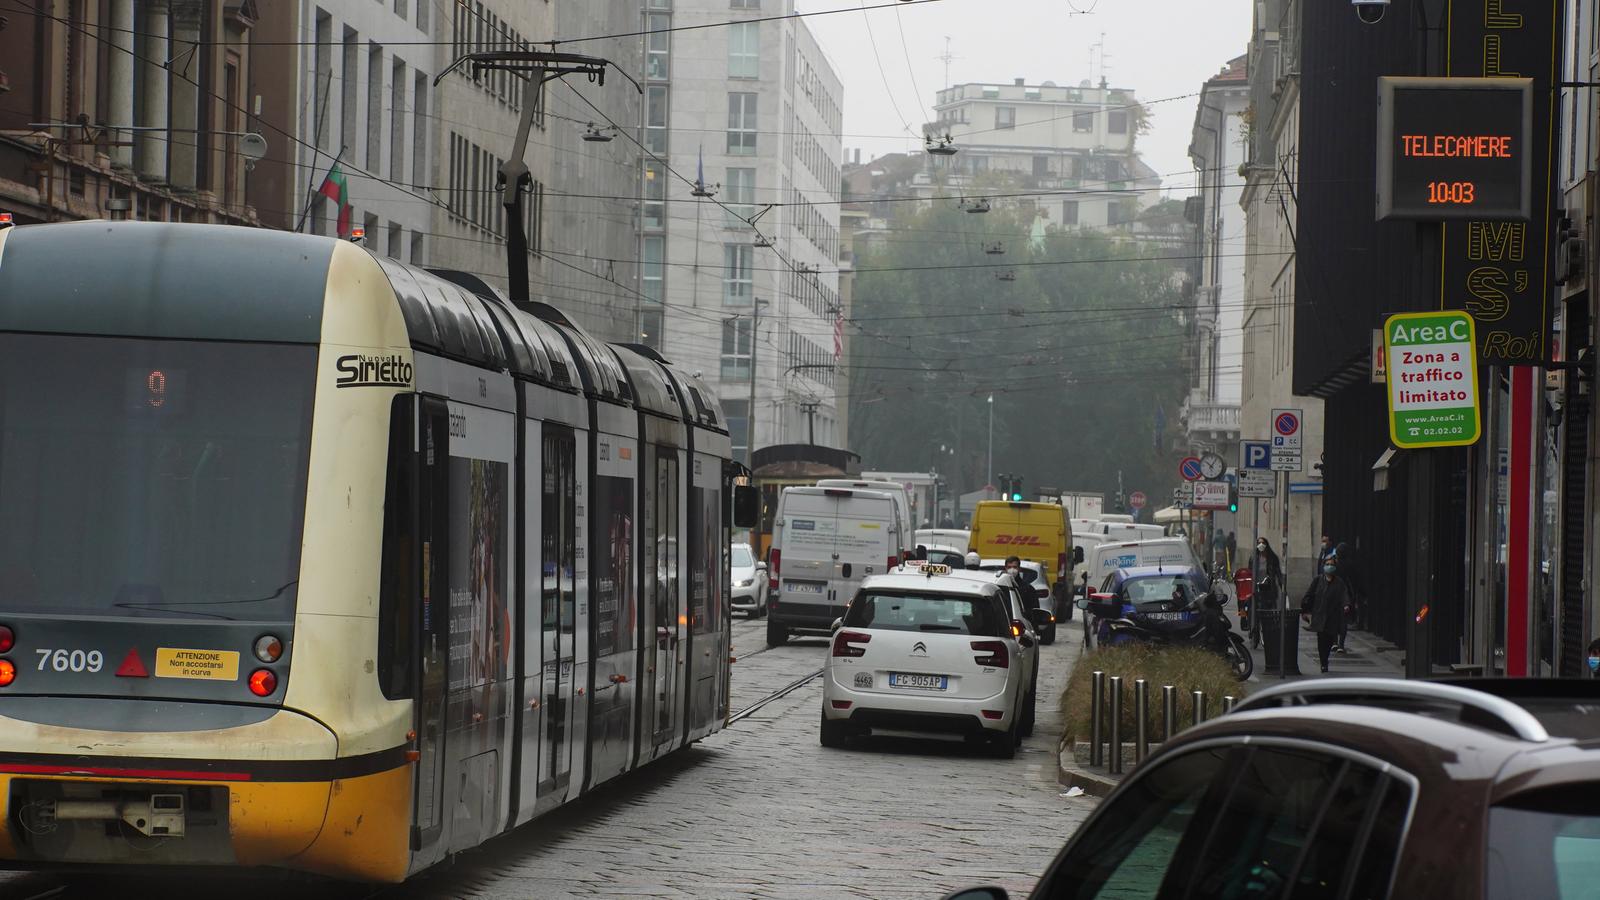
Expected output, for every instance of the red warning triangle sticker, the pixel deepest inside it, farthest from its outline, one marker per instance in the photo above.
(132, 666)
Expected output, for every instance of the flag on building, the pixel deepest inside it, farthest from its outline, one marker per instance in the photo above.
(335, 188)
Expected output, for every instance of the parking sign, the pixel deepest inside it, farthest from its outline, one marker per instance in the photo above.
(1286, 429)
(1256, 454)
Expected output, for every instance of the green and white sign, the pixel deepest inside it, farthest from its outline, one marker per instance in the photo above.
(1433, 379)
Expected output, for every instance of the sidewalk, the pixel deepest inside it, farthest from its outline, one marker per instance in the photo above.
(1369, 656)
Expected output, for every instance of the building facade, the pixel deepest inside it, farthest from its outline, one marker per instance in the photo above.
(741, 126)
(1078, 140)
(1268, 202)
(94, 122)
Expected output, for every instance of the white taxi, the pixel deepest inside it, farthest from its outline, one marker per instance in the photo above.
(917, 651)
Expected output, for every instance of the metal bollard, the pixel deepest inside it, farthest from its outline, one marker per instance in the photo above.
(1199, 707)
(1116, 725)
(1169, 712)
(1141, 712)
(1097, 686)
(1227, 703)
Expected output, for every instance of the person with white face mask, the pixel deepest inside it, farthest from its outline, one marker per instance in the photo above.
(1324, 604)
(1267, 573)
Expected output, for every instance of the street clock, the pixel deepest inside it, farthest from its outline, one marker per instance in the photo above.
(1212, 466)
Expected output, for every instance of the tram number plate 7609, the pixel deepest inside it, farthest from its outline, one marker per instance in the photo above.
(70, 660)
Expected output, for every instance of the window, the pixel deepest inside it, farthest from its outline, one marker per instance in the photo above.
(397, 123)
(418, 256)
(658, 45)
(374, 107)
(735, 414)
(737, 283)
(396, 247)
(419, 130)
(650, 325)
(652, 268)
(739, 193)
(397, 584)
(1121, 212)
(1041, 166)
(1083, 121)
(654, 211)
(745, 4)
(350, 58)
(736, 349)
(400, 8)
(741, 124)
(1069, 212)
(422, 16)
(321, 87)
(1544, 844)
(1005, 117)
(655, 121)
(942, 613)
(1117, 122)
(744, 50)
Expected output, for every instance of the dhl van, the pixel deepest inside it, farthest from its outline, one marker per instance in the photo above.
(1036, 531)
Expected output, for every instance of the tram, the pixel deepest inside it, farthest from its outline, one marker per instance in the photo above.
(792, 465)
(315, 560)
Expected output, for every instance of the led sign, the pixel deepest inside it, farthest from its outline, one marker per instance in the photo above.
(1455, 148)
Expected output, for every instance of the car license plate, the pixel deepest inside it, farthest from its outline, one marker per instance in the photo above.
(921, 682)
(801, 587)
(1164, 616)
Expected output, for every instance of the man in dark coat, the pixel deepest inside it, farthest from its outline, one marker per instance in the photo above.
(1324, 603)
(1267, 574)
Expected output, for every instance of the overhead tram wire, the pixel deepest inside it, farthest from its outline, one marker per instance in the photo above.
(877, 57)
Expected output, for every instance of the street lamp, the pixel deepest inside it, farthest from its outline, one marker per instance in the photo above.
(991, 441)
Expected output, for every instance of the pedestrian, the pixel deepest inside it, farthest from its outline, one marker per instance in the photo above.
(1267, 573)
(1233, 547)
(920, 553)
(1344, 557)
(1324, 604)
(1594, 658)
(1324, 551)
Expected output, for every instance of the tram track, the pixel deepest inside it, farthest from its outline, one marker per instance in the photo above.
(778, 694)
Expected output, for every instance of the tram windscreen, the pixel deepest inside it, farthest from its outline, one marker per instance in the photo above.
(152, 478)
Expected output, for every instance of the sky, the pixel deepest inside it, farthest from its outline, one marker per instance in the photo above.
(1156, 48)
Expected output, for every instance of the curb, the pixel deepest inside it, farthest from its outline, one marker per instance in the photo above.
(1098, 786)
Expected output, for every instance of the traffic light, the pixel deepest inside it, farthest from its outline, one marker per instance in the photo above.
(1016, 487)
(1233, 498)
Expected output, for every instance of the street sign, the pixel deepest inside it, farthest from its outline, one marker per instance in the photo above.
(1286, 429)
(1211, 495)
(1287, 462)
(1455, 148)
(1433, 379)
(1189, 469)
(1257, 483)
(1255, 455)
(1137, 500)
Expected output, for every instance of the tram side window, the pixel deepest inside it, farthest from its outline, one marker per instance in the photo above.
(397, 586)
(612, 578)
(706, 550)
(556, 536)
(667, 509)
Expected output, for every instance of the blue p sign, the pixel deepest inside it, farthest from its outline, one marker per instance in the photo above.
(1256, 454)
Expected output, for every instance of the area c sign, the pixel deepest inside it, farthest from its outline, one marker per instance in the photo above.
(1433, 379)
(1455, 148)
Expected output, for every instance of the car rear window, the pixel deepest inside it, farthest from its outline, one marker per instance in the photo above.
(1545, 844)
(1158, 590)
(946, 613)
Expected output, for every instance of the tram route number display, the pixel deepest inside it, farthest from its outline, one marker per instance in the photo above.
(205, 665)
(1455, 148)
(1433, 379)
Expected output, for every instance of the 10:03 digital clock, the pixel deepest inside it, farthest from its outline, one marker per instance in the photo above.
(1454, 148)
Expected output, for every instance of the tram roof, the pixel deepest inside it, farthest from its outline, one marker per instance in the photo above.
(164, 280)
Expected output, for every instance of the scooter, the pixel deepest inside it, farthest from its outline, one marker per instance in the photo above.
(1200, 623)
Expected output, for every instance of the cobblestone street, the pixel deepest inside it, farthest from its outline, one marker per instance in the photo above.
(762, 810)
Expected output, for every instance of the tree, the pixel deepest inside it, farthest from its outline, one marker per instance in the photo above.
(1074, 332)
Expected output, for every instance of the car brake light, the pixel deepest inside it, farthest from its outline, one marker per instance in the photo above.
(844, 643)
(995, 714)
(8, 673)
(842, 704)
(894, 561)
(772, 580)
(8, 639)
(263, 682)
(837, 492)
(1016, 628)
(1061, 565)
(997, 654)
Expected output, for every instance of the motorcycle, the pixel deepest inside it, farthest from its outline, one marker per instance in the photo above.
(1198, 623)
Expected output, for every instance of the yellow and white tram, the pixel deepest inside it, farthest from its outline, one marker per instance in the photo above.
(315, 560)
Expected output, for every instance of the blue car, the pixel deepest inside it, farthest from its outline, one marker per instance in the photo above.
(1152, 593)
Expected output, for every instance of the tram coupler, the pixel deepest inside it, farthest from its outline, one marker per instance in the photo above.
(156, 815)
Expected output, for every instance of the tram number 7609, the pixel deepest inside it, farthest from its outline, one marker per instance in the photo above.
(71, 660)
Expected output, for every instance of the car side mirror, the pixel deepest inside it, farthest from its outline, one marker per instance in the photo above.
(1082, 602)
(1040, 617)
(1077, 555)
(837, 624)
(986, 892)
(746, 506)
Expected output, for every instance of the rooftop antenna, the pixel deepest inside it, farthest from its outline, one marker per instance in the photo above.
(946, 57)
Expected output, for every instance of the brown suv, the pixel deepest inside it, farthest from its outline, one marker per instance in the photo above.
(1357, 788)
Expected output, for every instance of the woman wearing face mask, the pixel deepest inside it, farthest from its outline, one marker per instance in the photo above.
(1594, 658)
(1324, 603)
(1267, 573)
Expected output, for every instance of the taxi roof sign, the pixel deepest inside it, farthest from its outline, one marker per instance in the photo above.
(932, 569)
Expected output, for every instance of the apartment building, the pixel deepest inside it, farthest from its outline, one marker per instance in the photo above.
(751, 112)
(94, 122)
(1079, 140)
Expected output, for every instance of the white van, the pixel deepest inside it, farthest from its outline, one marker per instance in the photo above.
(1116, 517)
(824, 541)
(1127, 531)
(895, 489)
(1107, 558)
(957, 538)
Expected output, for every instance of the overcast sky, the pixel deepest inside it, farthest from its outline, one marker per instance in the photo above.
(1157, 48)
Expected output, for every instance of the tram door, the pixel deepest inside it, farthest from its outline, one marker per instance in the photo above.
(433, 644)
(662, 539)
(558, 593)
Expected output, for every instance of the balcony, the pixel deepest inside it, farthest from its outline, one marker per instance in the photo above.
(1215, 420)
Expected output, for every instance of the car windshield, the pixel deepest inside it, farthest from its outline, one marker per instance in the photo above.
(742, 558)
(955, 614)
(1161, 589)
(948, 557)
(152, 477)
(1547, 845)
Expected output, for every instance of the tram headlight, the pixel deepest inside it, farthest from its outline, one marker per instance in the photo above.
(268, 648)
(263, 682)
(8, 673)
